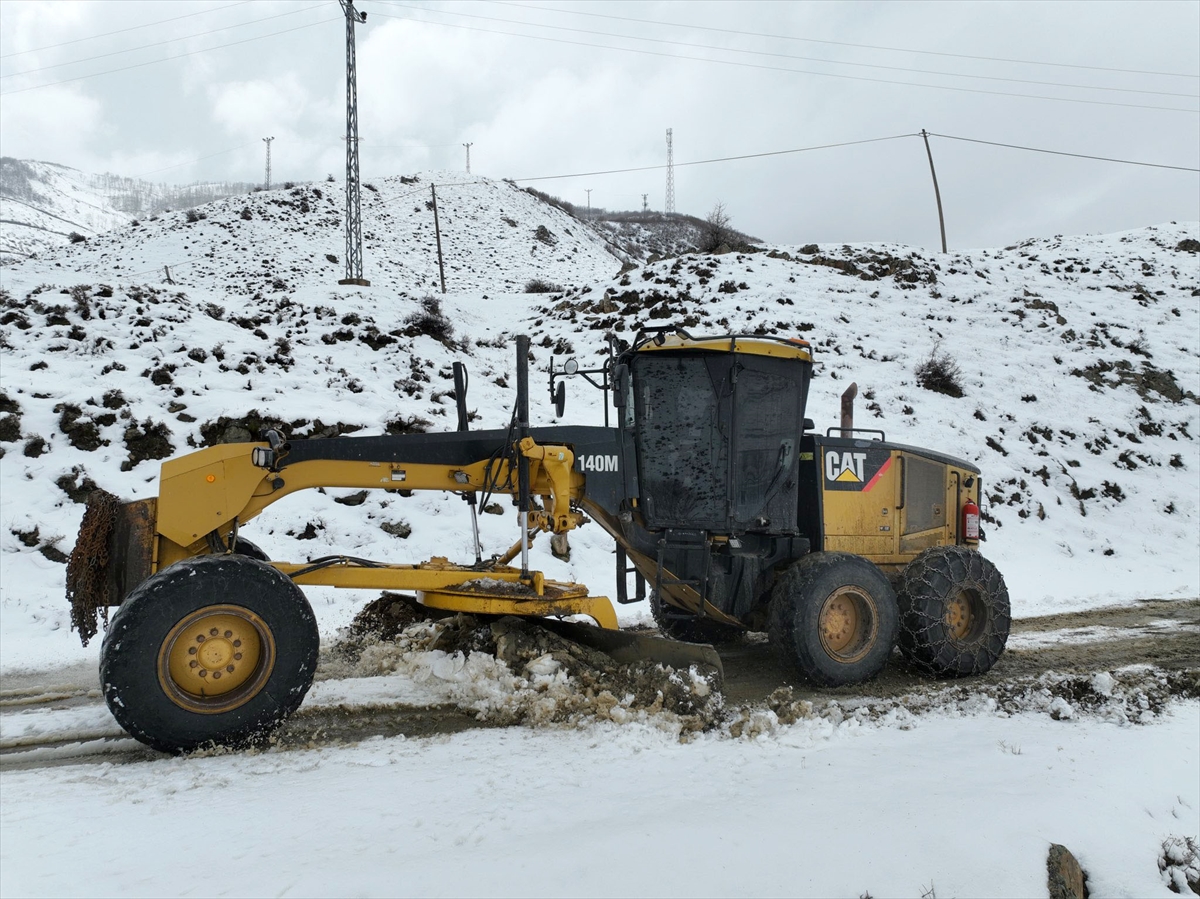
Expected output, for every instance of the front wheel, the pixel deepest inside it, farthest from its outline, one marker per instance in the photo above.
(954, 612)
(213, 651)
(834, 618)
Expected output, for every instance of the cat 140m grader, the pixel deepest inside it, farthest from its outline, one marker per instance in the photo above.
(725, 506)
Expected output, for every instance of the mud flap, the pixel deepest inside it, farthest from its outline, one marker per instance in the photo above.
(113, 553)
(625, 647)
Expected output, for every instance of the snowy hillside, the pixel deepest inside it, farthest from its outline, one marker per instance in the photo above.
(1079, 359)
(45, 203)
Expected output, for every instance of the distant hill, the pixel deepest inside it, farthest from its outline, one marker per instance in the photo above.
(43, 203)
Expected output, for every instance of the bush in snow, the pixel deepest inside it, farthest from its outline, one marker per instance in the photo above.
(537, 285)
(940, 373)
(430, 320)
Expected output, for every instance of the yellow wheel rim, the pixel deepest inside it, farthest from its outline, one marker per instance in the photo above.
(964, 616)
(847, 624)
(216, 659)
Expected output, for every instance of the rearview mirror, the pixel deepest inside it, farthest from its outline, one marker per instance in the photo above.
(620, 385)
(560, 400)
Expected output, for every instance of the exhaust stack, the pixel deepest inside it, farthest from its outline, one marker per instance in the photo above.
(848, 407)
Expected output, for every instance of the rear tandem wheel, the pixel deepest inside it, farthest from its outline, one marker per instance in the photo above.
(834, 618)
(954, 612)
(215, 650)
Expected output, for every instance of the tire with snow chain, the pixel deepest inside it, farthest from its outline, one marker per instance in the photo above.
(834, 618)
(679, 625)
(215, 650)
(954, 612)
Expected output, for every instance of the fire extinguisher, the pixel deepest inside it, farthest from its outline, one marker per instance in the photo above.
(970, 522)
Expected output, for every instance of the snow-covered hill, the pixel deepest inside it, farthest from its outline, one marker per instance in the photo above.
(1079, 357)
(42, 204)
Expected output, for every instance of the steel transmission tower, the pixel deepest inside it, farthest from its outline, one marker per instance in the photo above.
(669, 203)
(267, 141)
(354, 253)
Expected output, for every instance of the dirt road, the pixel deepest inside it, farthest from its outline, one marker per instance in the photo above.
(1163, 634)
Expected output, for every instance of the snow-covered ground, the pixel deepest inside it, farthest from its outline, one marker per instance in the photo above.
(947, 804)
(1081, 368)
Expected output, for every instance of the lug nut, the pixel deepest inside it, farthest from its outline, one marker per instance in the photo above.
(237, 656)
(200, 638)
(193, 663)
(229, 668)
(213, 631)
(228, 634)
(216, 674)
(191, 650)
(204, 672)
(237, 642)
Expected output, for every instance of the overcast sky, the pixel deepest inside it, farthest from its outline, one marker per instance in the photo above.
(552, 88)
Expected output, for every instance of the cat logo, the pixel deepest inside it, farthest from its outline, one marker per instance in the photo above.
(598, 463)
(856, 470)
(844, 467)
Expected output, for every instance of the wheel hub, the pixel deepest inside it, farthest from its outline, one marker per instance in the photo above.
(216, 658)
(963, 616)
(847, 624)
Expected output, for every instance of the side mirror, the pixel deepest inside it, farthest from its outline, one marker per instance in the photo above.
(560, 400)
(620, 385)
(808, 425)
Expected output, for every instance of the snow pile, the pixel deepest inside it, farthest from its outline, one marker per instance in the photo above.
(513, 671)
(1135, 695)
(1080, 374)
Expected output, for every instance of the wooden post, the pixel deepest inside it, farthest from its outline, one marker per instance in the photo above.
(438, 231)
(936, 193)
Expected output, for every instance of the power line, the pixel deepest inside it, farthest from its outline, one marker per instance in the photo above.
(171, 40)
(650, 168)
(992, 143)
(833, 62)
(93, 37)
(192, 161)
(872, 140)
(139, 65)
(809, 40)
(749, 65)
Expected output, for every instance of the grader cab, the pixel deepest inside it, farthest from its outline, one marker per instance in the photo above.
(723, 502)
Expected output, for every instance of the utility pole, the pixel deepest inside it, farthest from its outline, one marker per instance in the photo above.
(669, 202)
(354, 252)
(268, 140)
(589, 193)
(645, 205)
(438, 232)
(468, 146)
(937, 194)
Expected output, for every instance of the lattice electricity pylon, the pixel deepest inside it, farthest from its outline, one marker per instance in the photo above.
(354, 253)
(267, 182)
(669, 204)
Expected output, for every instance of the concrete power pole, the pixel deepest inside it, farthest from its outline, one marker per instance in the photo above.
(267, 141)
(354, 252)
(468, 146)
(589, 193)
(669, 202)
(645, 204)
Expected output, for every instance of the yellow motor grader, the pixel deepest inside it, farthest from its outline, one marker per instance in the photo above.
(725, 506)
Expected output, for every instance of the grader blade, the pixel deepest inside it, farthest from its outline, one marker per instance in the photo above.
(626, 647)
